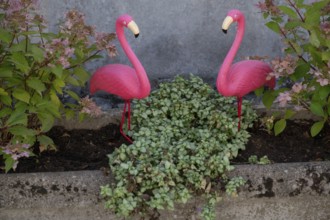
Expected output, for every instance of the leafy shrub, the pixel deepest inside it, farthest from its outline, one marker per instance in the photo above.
(304, 73)
(36, 69)
(185, 134)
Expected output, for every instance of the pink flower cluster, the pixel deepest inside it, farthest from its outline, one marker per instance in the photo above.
(78, 31)
(283, 67)
(89, 107)
(322, 79)
(268, 6)
(75, 27)
(14, 6)
(283, 98)
(20, 14)
(60, 49)
(16, 151)
(103, 41)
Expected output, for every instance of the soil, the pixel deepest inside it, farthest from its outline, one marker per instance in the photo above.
(88, 149)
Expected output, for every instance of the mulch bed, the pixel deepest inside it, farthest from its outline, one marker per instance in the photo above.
(88, 149)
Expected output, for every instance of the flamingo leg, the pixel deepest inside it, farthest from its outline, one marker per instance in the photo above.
(239, 111)
(129, 115)
(123, 116)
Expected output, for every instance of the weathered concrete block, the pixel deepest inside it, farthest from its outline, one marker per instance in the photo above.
(296, 191)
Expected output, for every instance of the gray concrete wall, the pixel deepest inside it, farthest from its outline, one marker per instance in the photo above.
(177, 36)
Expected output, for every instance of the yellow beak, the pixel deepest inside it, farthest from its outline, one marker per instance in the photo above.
(226, 23)
(134, 28)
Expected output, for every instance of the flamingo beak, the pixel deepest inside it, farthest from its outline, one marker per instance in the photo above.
(226, 23)
(134, 28)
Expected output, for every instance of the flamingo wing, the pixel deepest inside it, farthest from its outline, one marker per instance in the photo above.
(247, 76)
(117, 79)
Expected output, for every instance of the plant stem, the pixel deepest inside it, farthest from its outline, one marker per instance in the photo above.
(299, 55)
(84, 61)
(297, 10)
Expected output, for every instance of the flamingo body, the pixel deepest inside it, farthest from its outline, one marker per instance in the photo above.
(122, 80)
(117, 79)
(246, 76)
(243, 77)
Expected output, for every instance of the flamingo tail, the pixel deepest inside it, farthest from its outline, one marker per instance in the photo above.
(123, 116)
(239, 111)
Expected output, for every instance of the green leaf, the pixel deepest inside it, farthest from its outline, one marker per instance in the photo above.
(279, 126)
(37, 53)
(9, 164)
(69, 114)
(292, 24)
(312, 16)
(36, 84)
(288, 11)
(21, 95)
(326, 55)
(49, 107)
(274, 27)
(21, 106)
(47, 121)
(6, 100)
(316, 128)
(317, 109)
(20, 62)
(268, 98)
(54, 99)
(314, 39)
(5, 112)
(18, 47)
(296, 46)
(16, 118)
(73, 81)
(57, 70)
(73, 95)
(300, 71)
(324, 92)
(289, 113)
(329, 106)
(6, 72)
(5, 36)
(46, 141)
(3, 92)
(58, 84)
(21, 131)
(259, 91)
(82, 75)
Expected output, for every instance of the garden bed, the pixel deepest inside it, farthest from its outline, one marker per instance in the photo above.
(277, 191)
(87, 149)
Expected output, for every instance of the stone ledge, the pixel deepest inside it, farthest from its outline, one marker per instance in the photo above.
(277, 191)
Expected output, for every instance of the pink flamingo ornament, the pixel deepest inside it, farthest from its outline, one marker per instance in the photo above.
(245, 76)
(122, 80)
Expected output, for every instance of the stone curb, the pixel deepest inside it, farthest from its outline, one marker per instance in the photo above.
(277, 191)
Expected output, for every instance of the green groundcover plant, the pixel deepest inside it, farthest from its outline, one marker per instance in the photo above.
(36, 69)
(304, 72)
(184, 134)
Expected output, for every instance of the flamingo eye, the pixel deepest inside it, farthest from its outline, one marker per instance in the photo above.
(124, 22)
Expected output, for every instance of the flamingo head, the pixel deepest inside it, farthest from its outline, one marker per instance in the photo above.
(127, 21)
(233, 15)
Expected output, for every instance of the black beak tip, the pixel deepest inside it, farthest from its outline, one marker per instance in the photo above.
(224, 31)
(136, 35)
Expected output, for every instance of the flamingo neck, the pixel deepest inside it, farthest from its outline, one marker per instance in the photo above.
(223, 84)
(140, 72)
